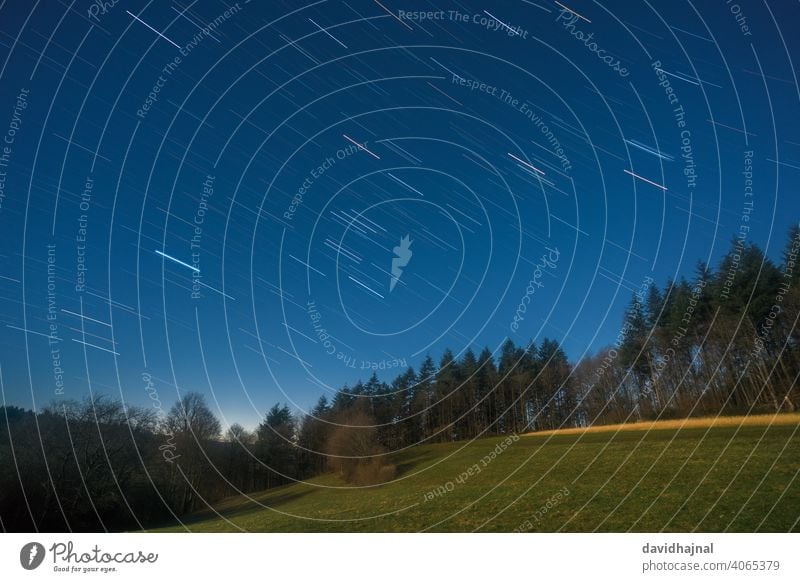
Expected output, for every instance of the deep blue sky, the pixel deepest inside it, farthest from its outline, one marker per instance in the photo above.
(262, 102)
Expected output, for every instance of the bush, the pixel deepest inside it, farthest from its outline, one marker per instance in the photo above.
(355, 453)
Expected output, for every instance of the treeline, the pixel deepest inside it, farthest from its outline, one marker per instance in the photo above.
(98, 465)
(519, 389)
(724, 342)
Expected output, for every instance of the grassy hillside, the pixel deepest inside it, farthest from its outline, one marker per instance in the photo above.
(741, 476)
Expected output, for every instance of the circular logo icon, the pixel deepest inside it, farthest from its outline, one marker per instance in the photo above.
(31, 555)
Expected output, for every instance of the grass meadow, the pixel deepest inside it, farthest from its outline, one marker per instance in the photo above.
(729, 475)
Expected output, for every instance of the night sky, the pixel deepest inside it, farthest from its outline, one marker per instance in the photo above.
(263, 201)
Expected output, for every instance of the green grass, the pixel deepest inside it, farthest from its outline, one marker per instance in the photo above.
(692, 479)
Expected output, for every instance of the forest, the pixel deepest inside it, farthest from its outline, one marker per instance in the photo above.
(723, 343)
